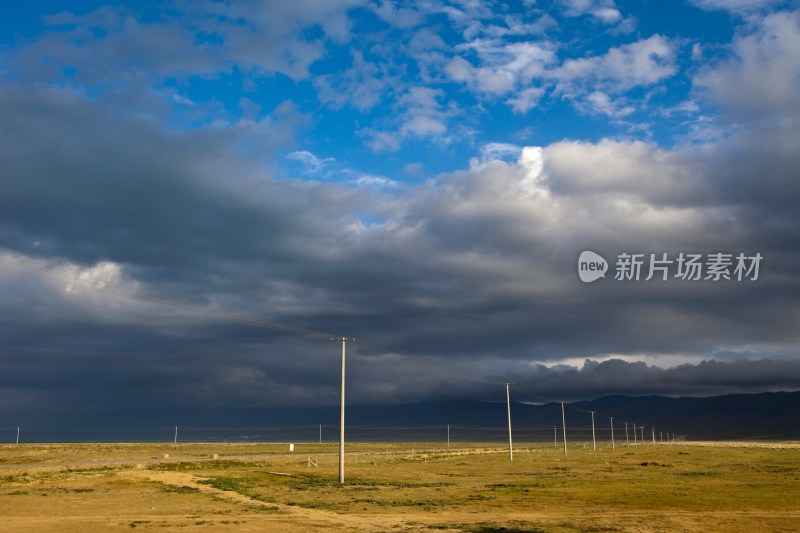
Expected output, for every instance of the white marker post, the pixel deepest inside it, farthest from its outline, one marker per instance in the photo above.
(564, 427)
(175, 441)
(341, 417)
(613, 446)
(17, 435)
(508, 405)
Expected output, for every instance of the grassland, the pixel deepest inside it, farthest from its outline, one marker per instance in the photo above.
(399, 487)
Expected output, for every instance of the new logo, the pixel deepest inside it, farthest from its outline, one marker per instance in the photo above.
(591, 266)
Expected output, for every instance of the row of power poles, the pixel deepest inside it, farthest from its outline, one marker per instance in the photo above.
(670, 436)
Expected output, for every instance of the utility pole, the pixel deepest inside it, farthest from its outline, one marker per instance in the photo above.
(564, 427)
(642, 430)
(594, 440)
(634, 434)
(448, 436)
(341, 414)
(613, 446)
(175, 441)
(654, 435)
(320, 433)
(627, 441)
(661, 435)
(17, 435)
(508, 405)
(555, 438)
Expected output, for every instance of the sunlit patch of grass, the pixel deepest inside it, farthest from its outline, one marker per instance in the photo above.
(224, 483)
(751, 488)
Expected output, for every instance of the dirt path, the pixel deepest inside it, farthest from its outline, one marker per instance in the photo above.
(297, 515)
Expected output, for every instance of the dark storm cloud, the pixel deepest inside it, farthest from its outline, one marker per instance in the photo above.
(474, 267)
(471, 272)
(87, 184)
(637, 378)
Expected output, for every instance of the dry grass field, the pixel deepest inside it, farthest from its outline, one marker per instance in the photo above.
(400, 488)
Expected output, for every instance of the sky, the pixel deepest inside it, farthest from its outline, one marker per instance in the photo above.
(421, 175)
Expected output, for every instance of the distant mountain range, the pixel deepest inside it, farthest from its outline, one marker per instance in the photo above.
(768, 416)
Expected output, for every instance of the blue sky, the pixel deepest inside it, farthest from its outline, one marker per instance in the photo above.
(421, 174)
(399, 92)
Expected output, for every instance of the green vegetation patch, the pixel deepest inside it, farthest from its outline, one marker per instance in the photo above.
(207, 465)
(183, 489)
(525, 527)
(224, 483)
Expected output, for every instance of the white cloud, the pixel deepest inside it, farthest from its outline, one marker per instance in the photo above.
(421, 116)
(381, 140)
(526, 99)
(502, 68)
(736, 6)
(179, 99)
(376, 182)
(514, 25)
(459, 69)
(414, 169)
(619, 169)
(636, 64)
(331, 169)
(609, 15)
(497, 152)
(603, 10)
(763, 76)
(400, 17)
(426, 39)
(424, 115)
(600, 102)
(363, 85)
(311, 163)
(697, 52)
(259, 36)
(422, 126)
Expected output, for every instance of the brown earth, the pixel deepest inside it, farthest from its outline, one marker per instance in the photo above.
(400, 487)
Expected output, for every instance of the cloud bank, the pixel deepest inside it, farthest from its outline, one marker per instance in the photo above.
(464, 276)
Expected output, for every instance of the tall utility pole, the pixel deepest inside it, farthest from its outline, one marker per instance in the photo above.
(341, 414)
(627, 440)
(175, 441)
(634, 434)
(17, 435)
(555, 438)
(320, 433)
(654, 435)
(642, 429)
(613, 446)
(564, 427)
(508, 406)
(594, 440)
(448, 435)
